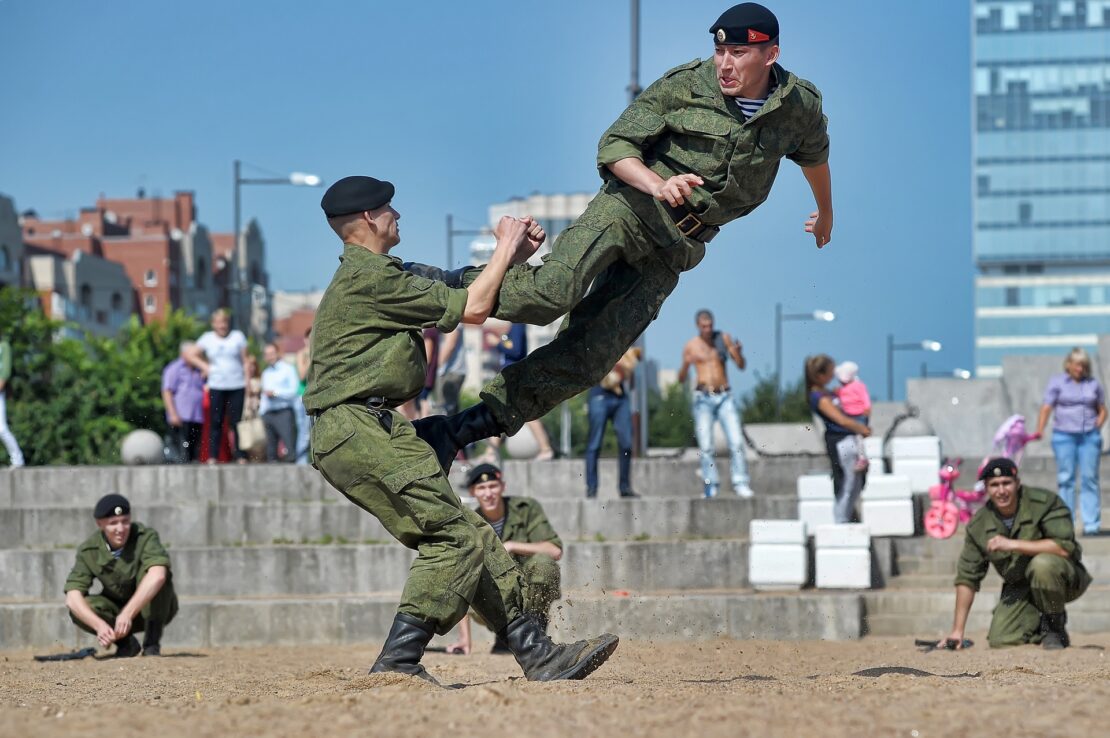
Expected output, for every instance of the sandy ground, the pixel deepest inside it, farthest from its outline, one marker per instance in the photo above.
(719, 688)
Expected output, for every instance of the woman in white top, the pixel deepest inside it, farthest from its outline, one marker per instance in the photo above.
(221, 353)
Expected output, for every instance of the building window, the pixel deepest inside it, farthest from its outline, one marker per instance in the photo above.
(1013, 296)
(101, 317)
(86, 296)
(150, 279)
(202, 270)
(5, 259)
(1025, 212)
(117, 302)
(150, 304)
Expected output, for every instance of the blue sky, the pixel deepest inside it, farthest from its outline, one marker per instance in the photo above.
(465, 104)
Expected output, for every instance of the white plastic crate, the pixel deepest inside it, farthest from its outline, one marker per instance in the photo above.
(887, 517)
(777, 565)
(815, 487)
(915, 447)
(923, 473)
(843, 568)
(887, 487)
(815, 513)
(843, 535)
(777, 531)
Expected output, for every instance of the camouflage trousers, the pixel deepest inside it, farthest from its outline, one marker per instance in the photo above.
(542, 584)
(1050, 583)
(394, 476)
(161, 609)
(632, 254)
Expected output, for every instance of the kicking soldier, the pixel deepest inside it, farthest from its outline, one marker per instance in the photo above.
(134, 569)
(368, 358)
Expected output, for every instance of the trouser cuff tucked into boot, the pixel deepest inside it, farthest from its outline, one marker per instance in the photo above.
(152, 639)
(543, 660)
(404, 647)
(1054, 633)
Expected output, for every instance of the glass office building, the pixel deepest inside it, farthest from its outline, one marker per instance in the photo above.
(1041, 189)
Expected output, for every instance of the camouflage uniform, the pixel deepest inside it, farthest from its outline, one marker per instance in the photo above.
(366, 343)
(627, 241)
(120, 577)
(1031, 585)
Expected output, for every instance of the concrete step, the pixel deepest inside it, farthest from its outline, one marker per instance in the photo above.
(338, 520)
(920, 602)
(344, 569)
(214, 622)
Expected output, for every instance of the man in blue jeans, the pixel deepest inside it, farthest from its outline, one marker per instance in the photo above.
(708, 352)
(609, 400)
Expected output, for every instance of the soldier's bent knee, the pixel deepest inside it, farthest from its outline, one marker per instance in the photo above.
(1043, 568)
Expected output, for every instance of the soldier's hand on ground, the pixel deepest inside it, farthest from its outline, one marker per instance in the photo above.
(820, 226)
(675, 190)
(123, 625)
(957, 636)
(999, 543)
(105, 634)
(462, 647)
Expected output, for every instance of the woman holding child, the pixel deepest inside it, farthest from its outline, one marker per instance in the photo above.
(842, 434)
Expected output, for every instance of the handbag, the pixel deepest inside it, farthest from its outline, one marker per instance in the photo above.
(249, 433)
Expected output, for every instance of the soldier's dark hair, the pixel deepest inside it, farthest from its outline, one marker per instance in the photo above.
(703, 313)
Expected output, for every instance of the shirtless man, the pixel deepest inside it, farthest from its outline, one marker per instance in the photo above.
(708, 352)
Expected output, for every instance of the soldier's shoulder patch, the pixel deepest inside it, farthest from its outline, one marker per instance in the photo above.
(807, 87)
(684, 67)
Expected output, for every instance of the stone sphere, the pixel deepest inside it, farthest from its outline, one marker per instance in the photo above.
(523, 445)
(141, 447)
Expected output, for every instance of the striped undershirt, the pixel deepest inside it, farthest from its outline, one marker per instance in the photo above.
(498, 526)
(749, 106)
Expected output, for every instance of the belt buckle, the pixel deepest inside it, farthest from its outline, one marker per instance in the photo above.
(689, 231)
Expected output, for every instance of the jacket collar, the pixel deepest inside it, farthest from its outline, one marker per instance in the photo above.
(706, 86)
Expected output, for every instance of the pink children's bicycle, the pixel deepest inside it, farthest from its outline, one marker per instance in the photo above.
(950, 506)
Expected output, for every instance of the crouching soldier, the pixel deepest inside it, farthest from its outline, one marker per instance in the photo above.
(134, 570)
(527, 535)
(1027, 534)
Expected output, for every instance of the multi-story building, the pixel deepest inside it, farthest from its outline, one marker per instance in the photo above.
(84, 290)
(11, 245)
(1041, 189)
(242, 282)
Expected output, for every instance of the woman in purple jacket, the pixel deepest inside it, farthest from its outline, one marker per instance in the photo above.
(1080, 406)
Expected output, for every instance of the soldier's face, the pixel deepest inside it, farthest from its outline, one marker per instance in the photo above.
(1003, 493)
(116, 529)
(488, 494)
(384, 221)
(742, 70)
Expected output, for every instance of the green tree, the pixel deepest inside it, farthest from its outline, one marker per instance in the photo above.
(759, 405)
(671, 423)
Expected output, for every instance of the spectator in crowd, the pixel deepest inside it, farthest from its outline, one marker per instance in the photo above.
(15, 454)
(280, 386)
(609, 400)
(841, 436)
(855, 402)
(1078, 401)
(431, 350)
(183, 396)
(220, 354)
(253, 443)
(304, 358)
(1028, 535)
(709, 352)
(527, 534)
(136, 586)
(513, 348)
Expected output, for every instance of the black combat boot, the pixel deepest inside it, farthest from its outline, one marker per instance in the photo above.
(447, 435)
(1054, 634)
(152, 639)
(543, 660)
(127, 647)
(404, 647)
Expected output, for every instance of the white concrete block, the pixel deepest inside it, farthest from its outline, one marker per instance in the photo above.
(923, 473)
(873, 448)
(915, 447)
(777, 531)
(888, 517)
(843, 568)
(887, 487)
(777, 565)
(815, 487)
(816, 512)
(843, 535)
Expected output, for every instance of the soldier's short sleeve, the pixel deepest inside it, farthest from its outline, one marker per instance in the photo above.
(399, 300)
(637, 128)
(539, 527)
(972, 565)
(81, 576)
(813, 150)
(153, 553)
(1057, 525)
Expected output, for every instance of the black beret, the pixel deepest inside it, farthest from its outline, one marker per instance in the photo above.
(744, 24)
(355, 195)
(482, 473)
(111, 505)
(999, 467)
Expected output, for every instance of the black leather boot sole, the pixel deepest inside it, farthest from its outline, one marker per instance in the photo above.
(591, 660)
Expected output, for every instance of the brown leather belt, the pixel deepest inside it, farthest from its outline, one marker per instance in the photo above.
(712, 390)
(690, 225)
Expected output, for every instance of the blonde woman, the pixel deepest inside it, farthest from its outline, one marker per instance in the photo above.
(1077, 400)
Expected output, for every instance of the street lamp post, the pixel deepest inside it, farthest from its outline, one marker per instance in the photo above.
(452, 232)
(956, 373)
(297, 179)
(825, 316)
(891, 347)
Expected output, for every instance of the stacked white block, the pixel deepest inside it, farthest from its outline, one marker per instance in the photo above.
(815, 500)
(873, 450)
(887, 505)
(916, 457)
(777, 556)
(843, 557)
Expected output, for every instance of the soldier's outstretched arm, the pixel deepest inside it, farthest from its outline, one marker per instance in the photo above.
(820, 222)
(452, 278)
(512, 247)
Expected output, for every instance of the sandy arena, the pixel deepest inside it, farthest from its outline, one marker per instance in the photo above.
(718, 688)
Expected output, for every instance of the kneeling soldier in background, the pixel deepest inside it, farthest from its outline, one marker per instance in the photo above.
(134, 570)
